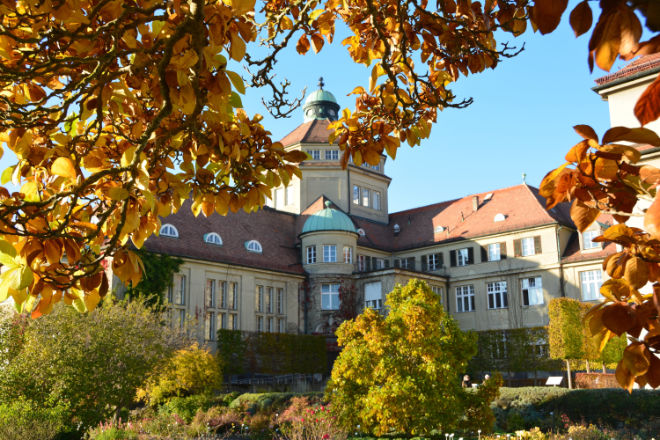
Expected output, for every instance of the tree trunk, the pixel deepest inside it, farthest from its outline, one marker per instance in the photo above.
(568, 373)
(604, 369)
(588, 369)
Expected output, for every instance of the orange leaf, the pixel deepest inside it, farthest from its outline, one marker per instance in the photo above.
(546, 14)
(624, 377)
(635, 357)
(317, 42)
(636, 272)
(583, 215)
(653, 374)
(652, 219)
(618, 318)
(636, 135)
(649, 174)
(578, 152)
(303, 45)
(647, 108)
(586, 131)
(581, 18)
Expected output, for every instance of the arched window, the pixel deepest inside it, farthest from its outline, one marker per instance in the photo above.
(499, 217)
(361, 232)
(168, 230)
(213, 238)
(253, 246)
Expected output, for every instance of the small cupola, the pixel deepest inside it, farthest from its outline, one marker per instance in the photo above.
(320, 104)
(328, 219)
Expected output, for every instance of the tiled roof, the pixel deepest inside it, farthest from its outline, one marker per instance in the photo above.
(573, 253)
(275, 230)
(642, 64)
(521, 206)
(315, 131)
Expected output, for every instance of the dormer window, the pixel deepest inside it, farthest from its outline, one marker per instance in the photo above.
(254, 246)
(168, 230)
(587, 239)
(213, 238)
(396, 228)
(361, 232)
(499, 217)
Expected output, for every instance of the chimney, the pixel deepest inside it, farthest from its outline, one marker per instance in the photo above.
(475, 203)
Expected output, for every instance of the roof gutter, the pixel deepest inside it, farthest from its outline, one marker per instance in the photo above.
(625, 79)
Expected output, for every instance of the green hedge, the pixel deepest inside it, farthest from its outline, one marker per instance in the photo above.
(271, 353)
(258, 402)
(526, 407)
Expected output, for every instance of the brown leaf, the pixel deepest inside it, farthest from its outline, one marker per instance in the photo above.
(606, 39)
(652, 219)
(630, 30)
(636, 135)
(635, 357)
(624, 377)
(581, 18)
(303, 45)
(103, 289)
(636, 272)
(618, 318)
(583, 215)
(585, 130)
(648, 47)
(615, 290)
(653, 374)
(647, 108)
(546, 14)
(578, 152)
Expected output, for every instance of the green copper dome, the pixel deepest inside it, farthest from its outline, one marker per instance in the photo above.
(320, 105)
(328, 219)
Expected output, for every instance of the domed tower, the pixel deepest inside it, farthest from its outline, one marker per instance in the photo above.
(320, 104)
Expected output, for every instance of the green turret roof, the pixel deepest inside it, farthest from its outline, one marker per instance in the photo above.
(320, 105)
(320, 95)
(328, 219)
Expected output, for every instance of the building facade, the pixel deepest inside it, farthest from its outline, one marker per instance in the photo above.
(327, 246)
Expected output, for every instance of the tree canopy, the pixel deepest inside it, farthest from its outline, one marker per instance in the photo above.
(117, 111)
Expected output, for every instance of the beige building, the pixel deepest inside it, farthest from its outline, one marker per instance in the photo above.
(496, 258)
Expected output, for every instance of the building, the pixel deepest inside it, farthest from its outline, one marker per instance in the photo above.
(495, 258)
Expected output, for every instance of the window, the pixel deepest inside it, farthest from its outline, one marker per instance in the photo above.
(223, 295)
(527, 246)
(260, 299)
(213, 238)
(168, 230)
(176, 293)
(253, 246)
(223, 320)
(434, 261)
(331, 154)
(316, 154)
(311, 254)
(330, 296)
(362, 264)
(329, 253)
(532, 291)
(465, 298)
(587, 239)
(260, 323)
(211, 326)
(269, 325)
(373, 295)
(380, 263)
(280, 301)
(365, 197)
(281, 325)
(405, 263)
(210, 293)
(494, 252)
(462, 257)
(356, 195)
(438, 290)
(348, 254)
(497, 295)
(376, 201)
(361, 232)
(233, 321)
(233, 290)
(590, 282)
(269, 300)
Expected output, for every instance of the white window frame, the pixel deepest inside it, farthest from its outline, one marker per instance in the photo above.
(356, 195)
(177, 291)
(211, 286)
(169, 230)
(315, 154)
(590, 282)
(439, 290)
(348, 254)
(465, 298)
(331, 154)
(462, 257)
(213, 238)
(587, 237)
(376, 200)
(362, 263)
(533, 287)
(373, 295)
(280, 301)
(329, 253)
(366, 197)
(498, 297)
(330, 296)
(434, 262)
(311, 254)
(254, 246)
(527, 247)
(494, 252)
(269, 300)
(260, 298)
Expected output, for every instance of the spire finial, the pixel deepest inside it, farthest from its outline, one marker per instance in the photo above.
(321, 83)
(524, 177)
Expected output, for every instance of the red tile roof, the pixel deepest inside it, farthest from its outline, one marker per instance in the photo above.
(640, 65)
(573, 253)
(275, 230)
(315, 131)
(521, 206)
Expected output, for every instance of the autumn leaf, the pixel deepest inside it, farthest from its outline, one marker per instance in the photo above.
(586, 131)
(546, 14)
(618, 318)
(63, 166)
(583, 215)
(636, 135)
(652, 219)
(581, 18)
(647, 108)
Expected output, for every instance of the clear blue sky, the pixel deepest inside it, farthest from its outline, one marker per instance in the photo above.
(521, 120)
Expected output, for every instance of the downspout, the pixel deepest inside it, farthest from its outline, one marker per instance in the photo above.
(562, 289)
(348, 179)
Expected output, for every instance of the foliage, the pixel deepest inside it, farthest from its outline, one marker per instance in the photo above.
(158, 277)
(186, 407)
(565, 332)
(192, 370)
(478, 414)
(304, 421)
(29, 420)
(255, 402)
(271, 353)
(92, 363)
(595, 380)
(401, 372)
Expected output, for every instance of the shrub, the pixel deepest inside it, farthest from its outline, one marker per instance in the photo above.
(26, 420)
(253, 402)
(303, 421)
(219, 420)
(192, 370)
(186, 407)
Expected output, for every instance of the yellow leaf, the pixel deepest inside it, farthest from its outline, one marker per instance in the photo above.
(237, 81)
(63, 166)
(91, 300)
(237, 47)
(118, 193)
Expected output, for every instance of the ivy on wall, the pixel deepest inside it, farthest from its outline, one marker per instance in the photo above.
(158, 275)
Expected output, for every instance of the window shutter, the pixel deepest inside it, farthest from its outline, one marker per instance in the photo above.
(517, 248)
(537, 244)
(424, 265)
(368, 263)
(411, 263)
(484, 254)
(452, 258)
(470, 255)
(503, 250)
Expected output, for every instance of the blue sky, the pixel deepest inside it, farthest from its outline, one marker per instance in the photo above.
(521, 120)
